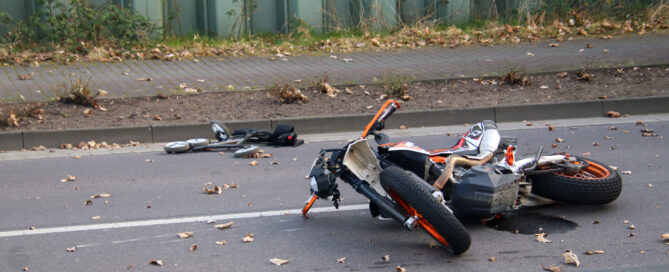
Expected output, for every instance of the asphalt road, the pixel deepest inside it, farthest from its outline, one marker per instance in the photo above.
(155, 196)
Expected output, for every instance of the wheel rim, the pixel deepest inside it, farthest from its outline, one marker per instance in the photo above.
(421, 221)
(592, 171)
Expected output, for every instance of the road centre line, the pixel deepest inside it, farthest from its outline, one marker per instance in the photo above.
(156, 222)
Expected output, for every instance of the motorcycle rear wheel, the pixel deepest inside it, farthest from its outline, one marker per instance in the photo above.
(434, 217)
(596, 184)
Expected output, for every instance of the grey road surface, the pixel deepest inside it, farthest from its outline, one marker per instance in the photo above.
(155, 196)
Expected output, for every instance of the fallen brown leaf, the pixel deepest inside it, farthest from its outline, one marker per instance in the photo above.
(253, 163)
(554, 145)
(559, 140)
(541, 238)
(403, 127)
(665, 236)
(492, 259)
(183, 235)
(26, 268)
(215, 190)
(68, 178)
(626, 172)
(586, 154)
(25, 77)
(341, 260)
(552, 268)
(385, 258)
(562, 74)
(156, 262)
(97, 217)
(594, 252)
(221, 243)
(277, 261)
(100, 196)
(613, 114)
(400, 269)
(71, 249)
(595, 143)
(248, 238)
(631, 226)
(571, 258)
(88, 202)
(193, 247)
(224, 226)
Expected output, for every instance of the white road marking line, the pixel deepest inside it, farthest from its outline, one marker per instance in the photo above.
(156, 222)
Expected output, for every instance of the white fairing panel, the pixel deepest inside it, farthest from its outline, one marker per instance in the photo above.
(362, 162)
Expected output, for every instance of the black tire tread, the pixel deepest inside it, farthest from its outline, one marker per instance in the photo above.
(578, 190)
(405, 185)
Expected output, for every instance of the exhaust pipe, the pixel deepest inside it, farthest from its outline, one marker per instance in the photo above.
(454, 160)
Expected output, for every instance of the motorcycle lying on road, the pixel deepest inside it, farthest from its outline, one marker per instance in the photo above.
(393, 192)
(477, 177)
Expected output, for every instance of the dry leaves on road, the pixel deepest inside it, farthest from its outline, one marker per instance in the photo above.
(156, 262)
(248, 238)
(68, 178)
(594, 252)
(400, 269)
(552, 268)
(221, 243)
(103, 195)
(559, 140)
(25, 77)
(613, 114)
(571, 258)
(541, 238)
(183, 235)
(215, 190)
(193, 247)
(71, 249)
(341, 260)
(385, 258)
(224, 226)
(665, 237)
(277, 261)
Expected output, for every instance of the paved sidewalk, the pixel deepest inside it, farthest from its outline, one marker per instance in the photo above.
(215, 74)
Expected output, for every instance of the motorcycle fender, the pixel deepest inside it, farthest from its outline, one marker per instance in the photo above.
(362, 162)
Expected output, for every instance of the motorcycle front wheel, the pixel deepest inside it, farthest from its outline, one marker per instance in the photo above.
(595, 184)
(435, 218)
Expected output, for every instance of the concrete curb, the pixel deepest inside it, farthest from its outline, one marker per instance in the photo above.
(342, 123)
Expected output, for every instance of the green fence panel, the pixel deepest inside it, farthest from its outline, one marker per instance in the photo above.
(456, 11)
(182, 17)
(293, 13)
(264, 17)
(223, 16)
(338, 14)
(377, 14)
(412, 11)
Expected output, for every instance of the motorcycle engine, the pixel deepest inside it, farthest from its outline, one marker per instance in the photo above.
(484, 191)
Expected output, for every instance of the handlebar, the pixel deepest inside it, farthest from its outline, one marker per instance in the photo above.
(378, 122)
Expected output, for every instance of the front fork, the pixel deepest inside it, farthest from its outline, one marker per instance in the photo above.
(385, 206)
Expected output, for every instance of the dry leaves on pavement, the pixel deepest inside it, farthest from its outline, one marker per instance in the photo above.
(552, 268)
(571, 258)
(224, 226)
(103, 195)
(277, 261)
(183, 235)
(341, 260)
(541, 238)
(156, 262)
(594, 252)
(248, 238)
(68, 178)
(221, 243)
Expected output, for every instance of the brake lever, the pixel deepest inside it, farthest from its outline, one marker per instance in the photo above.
(308, 205)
